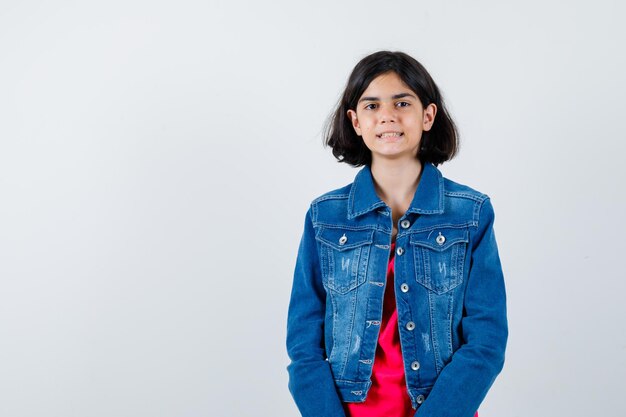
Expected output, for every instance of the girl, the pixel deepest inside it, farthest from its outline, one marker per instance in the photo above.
(398, 302)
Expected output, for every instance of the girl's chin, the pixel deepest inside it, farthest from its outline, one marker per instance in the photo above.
(390, 154)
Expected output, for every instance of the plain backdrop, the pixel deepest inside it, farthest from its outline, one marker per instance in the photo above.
(157, 159)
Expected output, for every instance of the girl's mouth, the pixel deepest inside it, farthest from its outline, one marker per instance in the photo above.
(389, 135)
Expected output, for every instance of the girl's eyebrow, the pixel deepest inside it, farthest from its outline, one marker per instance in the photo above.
(394, 97)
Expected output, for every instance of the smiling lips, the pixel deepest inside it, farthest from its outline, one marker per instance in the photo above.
(390, 135)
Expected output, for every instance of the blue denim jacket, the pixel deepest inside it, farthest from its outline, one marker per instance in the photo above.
(450, 297)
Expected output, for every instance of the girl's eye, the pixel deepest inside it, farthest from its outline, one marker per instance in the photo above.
(404, 104)
(370, 106)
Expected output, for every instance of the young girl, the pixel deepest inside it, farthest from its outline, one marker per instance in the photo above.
(398, 302)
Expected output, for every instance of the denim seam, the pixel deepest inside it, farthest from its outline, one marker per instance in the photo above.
(420, 267)
(314, 213)
(374, 227)
(345, 227)
(324, 266)
(424, 211)
(460, 263)
(477, 209)
(360, 251)
(344, 365)
(330, 197)
(351, 198)
(349, 381)
(359, 367)
(469, 196)
(437, 226)
(333, 348)
(450, 313)
(442, 191)
(330, 262)
(433, 333)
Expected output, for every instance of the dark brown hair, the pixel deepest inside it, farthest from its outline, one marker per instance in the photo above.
(438, 145)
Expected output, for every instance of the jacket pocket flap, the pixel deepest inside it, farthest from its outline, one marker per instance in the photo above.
(440, 239)
(342, 239)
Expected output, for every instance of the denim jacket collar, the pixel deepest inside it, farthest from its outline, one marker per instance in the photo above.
(428, 198)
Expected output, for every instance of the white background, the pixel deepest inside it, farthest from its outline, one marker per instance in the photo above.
(157, 159)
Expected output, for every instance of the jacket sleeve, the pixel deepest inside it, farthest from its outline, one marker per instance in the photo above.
(463, 383)
(310, 380)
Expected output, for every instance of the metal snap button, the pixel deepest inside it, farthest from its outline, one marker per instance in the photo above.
(410, 326)
(415, 365)
(440, 239)
(343, 239)
(400, 251)
(419, 399)
(404, 287)
(405, 224)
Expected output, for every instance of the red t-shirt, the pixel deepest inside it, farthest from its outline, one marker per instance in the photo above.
(388, 394)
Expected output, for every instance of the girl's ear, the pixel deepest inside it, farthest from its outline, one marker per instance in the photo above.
(429, 116)
(355, 122)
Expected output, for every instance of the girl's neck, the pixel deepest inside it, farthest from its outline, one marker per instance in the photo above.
(395, 183)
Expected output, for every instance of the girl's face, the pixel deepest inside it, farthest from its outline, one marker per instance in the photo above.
(390, 118)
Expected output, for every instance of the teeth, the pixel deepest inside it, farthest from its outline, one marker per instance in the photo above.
(386, 135)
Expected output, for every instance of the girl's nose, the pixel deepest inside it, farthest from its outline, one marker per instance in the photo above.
(387, 114)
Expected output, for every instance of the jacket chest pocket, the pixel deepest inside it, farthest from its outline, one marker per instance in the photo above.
(439, 256)
(343, 256)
